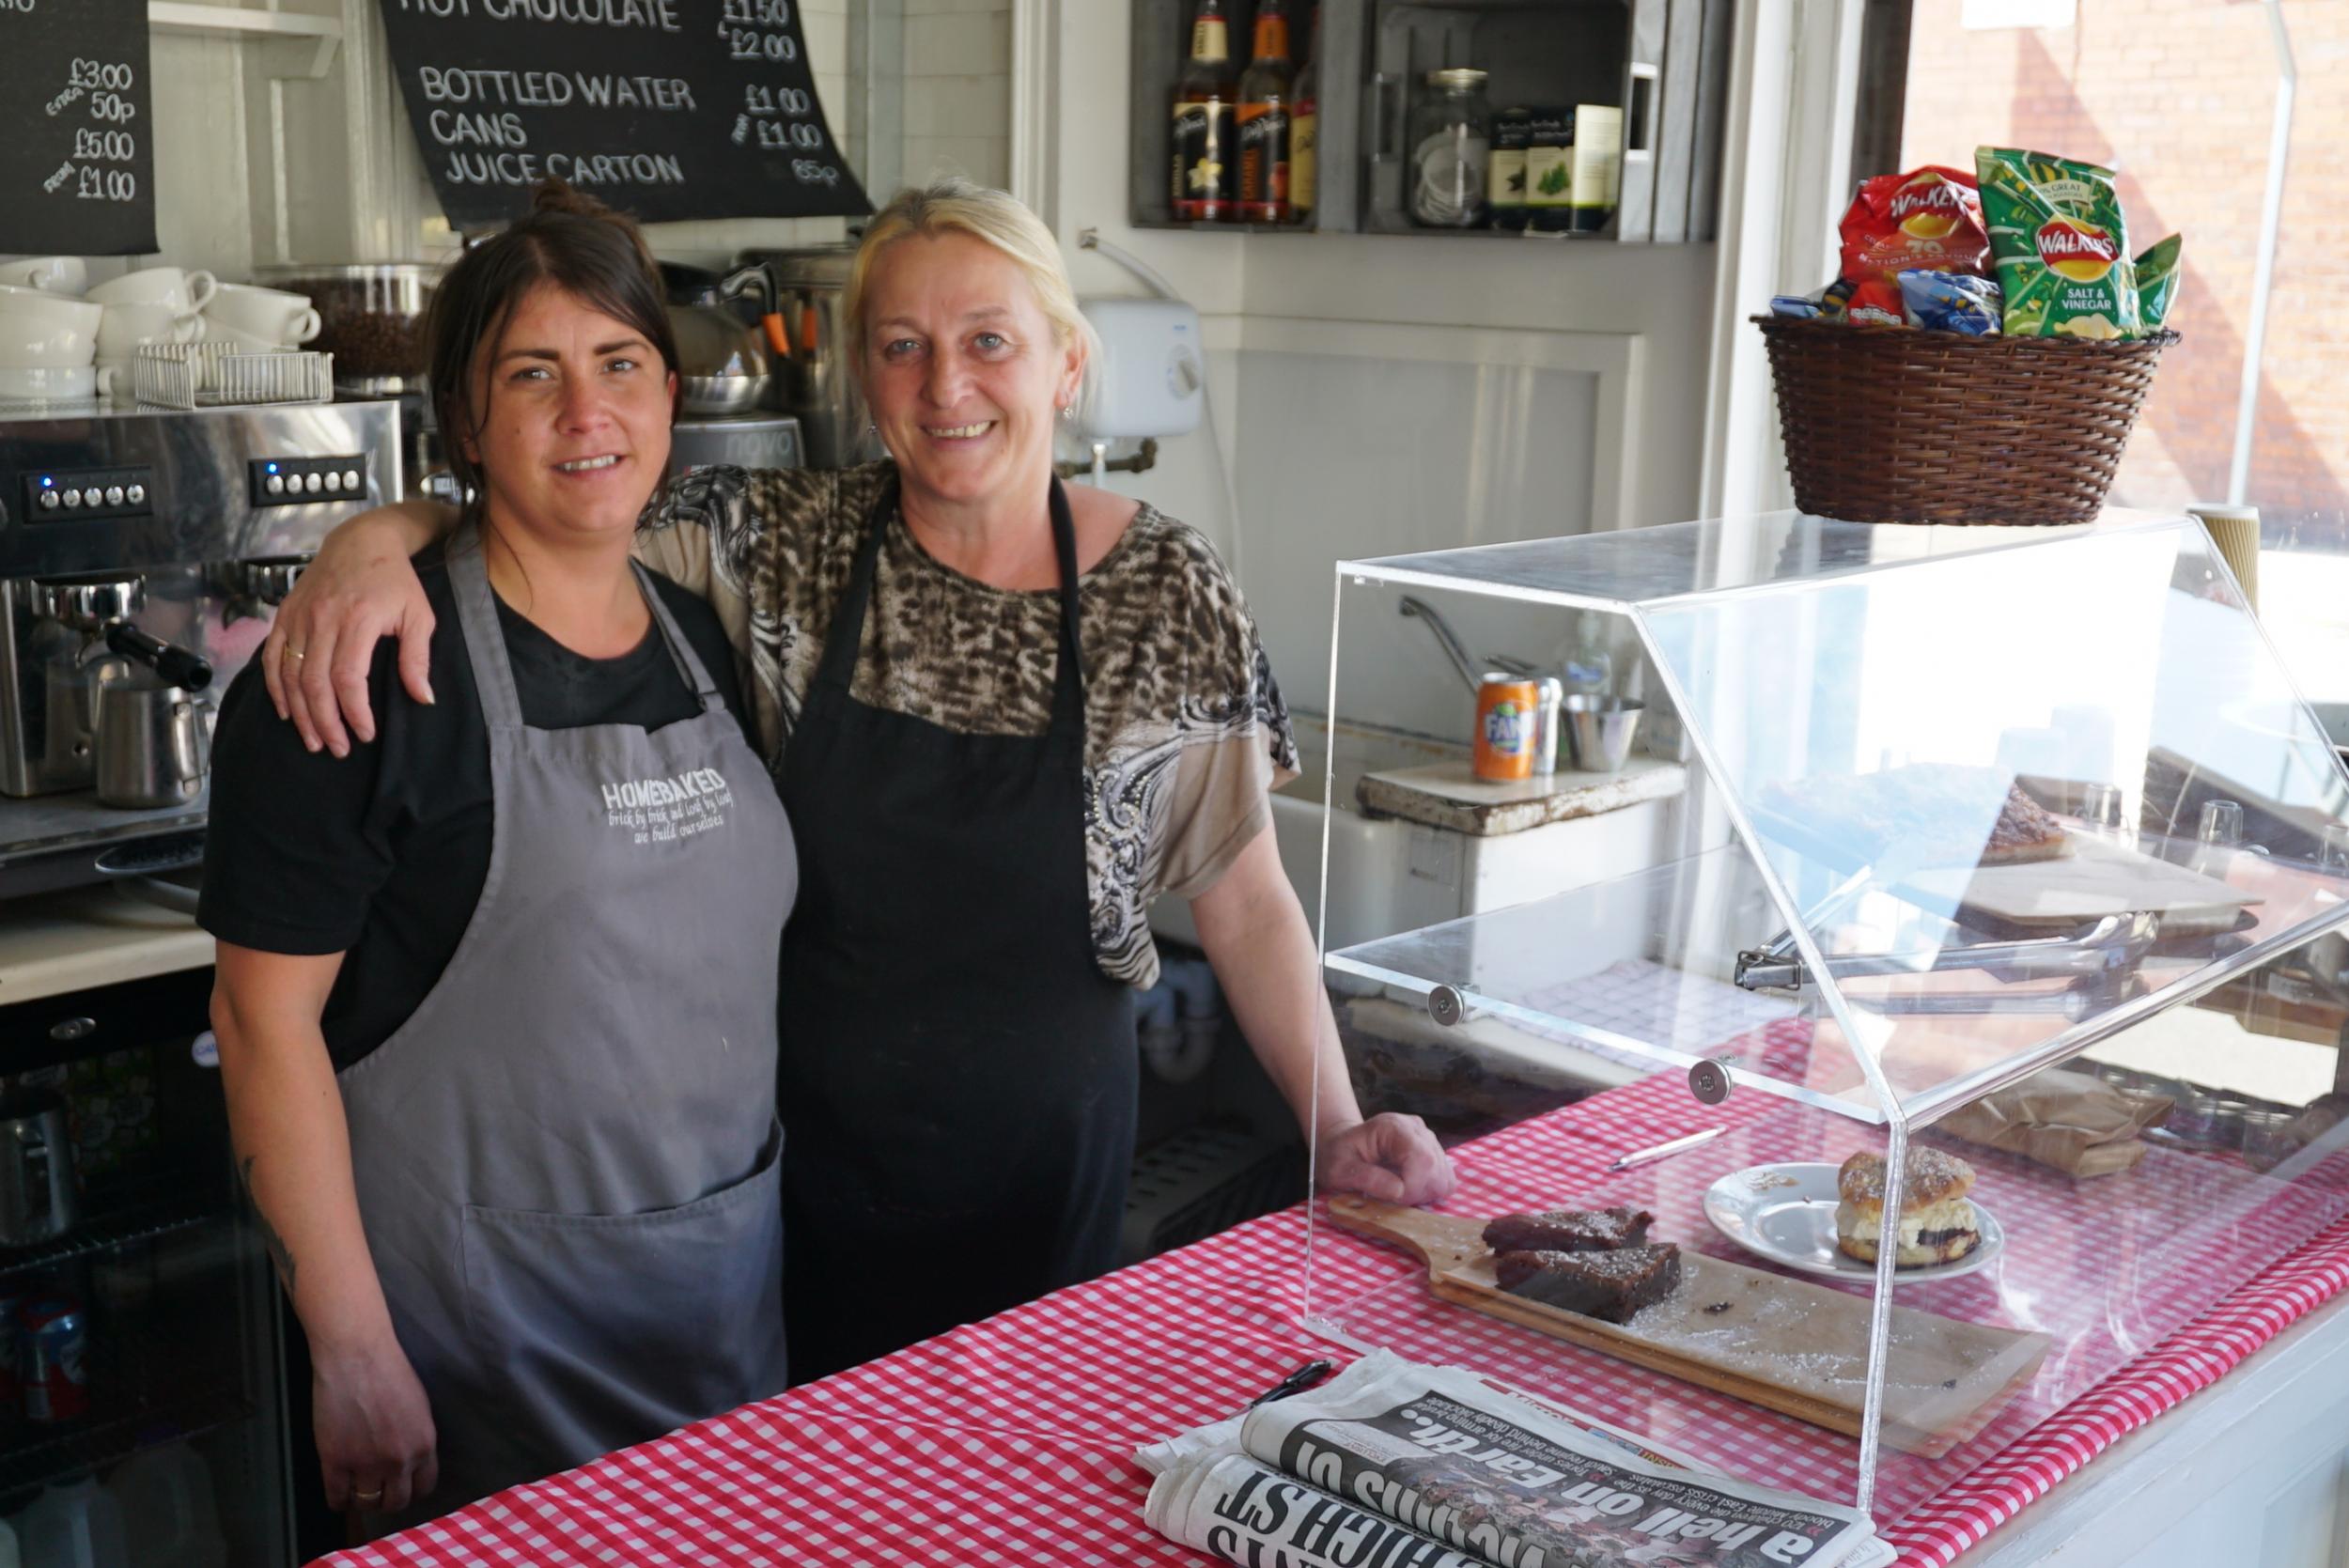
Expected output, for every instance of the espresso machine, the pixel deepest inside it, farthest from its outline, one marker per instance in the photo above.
(141, 552)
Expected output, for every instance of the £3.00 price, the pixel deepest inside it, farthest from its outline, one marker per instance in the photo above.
(91, 73)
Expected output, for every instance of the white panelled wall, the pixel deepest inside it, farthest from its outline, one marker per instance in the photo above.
(1373, 394)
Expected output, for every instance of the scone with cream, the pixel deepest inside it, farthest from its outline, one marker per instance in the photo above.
(1937, 1221)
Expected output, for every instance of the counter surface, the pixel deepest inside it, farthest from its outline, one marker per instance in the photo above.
(98, 936)
(1012, 1439)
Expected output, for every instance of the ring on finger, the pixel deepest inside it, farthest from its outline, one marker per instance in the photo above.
(375, 1496)
(294, 653)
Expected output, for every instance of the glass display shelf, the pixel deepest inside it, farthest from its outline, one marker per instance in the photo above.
(2011, 875)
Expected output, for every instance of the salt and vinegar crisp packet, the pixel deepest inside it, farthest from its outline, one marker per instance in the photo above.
(2061, 245)
(2157, 283)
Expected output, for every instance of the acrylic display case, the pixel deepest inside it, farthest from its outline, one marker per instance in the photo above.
(2016, 846)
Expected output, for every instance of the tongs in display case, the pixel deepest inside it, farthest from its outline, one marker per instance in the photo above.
(2100, 962)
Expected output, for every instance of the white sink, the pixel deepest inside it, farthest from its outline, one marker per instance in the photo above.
(1389, 876)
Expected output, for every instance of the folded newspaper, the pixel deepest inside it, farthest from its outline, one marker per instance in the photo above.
(1393, 1465)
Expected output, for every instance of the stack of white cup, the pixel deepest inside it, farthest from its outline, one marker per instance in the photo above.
(49, 335)
(259, 320)
(63, 338)
(155, 304)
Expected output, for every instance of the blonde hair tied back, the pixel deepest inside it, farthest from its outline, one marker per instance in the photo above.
(953, 204)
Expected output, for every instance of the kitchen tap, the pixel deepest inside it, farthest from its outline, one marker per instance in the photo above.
(1444, 635)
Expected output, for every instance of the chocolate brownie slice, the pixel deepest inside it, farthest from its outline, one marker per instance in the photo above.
(1610, 1286)
(1568, 1231)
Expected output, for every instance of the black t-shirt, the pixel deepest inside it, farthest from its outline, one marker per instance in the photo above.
(382, 855)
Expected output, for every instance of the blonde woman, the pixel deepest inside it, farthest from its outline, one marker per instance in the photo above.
(1005, 715)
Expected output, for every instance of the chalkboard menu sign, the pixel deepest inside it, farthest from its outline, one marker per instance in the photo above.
(77, 160)
(665, 109)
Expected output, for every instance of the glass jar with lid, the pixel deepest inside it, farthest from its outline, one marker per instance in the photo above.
(1451, 143)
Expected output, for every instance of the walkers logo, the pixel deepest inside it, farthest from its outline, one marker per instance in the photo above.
(2077, 249)
(657, 811)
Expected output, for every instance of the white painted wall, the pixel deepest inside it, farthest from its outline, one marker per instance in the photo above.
(1574, 395)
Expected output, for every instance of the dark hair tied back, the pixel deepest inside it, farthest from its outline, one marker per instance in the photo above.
(569, 240)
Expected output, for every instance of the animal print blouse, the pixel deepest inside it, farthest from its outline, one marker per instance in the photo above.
(1186, 731)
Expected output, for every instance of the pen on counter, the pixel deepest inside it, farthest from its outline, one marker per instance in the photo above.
(1662, 1151)
(1294, 1383)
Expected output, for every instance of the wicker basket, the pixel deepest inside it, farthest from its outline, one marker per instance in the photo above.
(1893, 425)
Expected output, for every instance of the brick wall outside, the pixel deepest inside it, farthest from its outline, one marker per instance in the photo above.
(2178, 96)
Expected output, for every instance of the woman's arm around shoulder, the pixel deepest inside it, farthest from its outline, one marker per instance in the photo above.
(359, 589)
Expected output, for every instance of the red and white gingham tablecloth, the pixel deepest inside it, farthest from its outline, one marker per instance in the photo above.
(1010, 1442)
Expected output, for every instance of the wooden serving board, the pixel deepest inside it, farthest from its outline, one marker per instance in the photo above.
(2097, 879)
(1449, 795)
(1785, 1345)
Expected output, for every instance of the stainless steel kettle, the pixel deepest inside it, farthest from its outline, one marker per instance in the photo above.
(38, 1201)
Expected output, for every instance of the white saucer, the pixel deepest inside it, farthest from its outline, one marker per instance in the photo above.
(1786, 1213)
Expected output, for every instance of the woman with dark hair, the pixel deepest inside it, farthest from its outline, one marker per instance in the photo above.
(496, 996)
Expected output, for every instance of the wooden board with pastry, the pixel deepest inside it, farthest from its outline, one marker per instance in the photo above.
(1600, 1280)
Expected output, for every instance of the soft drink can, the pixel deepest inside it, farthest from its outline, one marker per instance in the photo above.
(1507, 710)
(56, 1344)
(1550, 714)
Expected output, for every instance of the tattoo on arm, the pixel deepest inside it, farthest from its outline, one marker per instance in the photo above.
(278, 1252)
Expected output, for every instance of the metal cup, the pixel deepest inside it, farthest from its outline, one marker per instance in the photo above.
(153, 746)
(1599, 731)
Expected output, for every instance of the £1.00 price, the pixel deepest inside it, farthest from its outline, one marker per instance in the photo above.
(805, 137)
(761, 100)
(106, 185)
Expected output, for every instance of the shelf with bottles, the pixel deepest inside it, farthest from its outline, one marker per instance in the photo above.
(132, 1225)
(155, 1354)
(1642, 83)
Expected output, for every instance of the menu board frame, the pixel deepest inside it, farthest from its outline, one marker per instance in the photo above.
(77, 156)
(667, 110)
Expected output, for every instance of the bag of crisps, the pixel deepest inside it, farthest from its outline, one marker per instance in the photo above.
(2061, 245)
(2157, 281)
(1928, 218)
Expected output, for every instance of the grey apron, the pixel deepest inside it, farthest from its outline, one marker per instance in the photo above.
(567, 1159)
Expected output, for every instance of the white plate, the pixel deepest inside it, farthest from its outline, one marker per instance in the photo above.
(1786, 1213)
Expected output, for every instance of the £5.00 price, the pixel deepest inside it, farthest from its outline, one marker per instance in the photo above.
(119, 147)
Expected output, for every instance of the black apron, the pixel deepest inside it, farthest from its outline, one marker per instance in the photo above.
(959, 1076)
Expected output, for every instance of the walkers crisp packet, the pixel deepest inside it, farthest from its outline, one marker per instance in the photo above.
(2157, 281)
(2060, 244)
(1928, 217)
